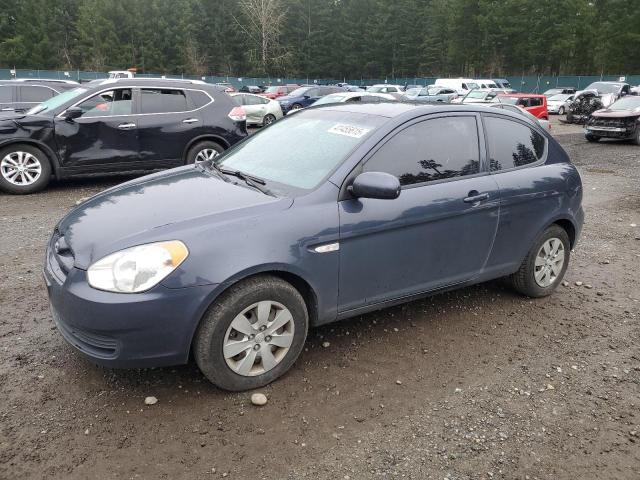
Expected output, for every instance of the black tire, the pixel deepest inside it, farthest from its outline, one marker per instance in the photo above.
(636, 139)
(268, 119)
(591, 138)
(561, 111)
(38, 156)
(199, 147)
(524, 282)
(210, 335)
(296, 106)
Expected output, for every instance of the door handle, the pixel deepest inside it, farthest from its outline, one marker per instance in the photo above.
(475, 197)
(127, 126)
(190, 120)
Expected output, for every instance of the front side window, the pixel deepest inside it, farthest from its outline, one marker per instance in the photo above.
(512, 144)
(6, 95)
(431, 150)
(113, 102)
(302, 149)
(160, 100)
(31, 94)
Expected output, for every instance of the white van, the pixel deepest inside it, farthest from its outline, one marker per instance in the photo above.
(460, 85)
(485, 84)
(120, 74)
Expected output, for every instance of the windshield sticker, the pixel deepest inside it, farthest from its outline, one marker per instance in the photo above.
(349, 130)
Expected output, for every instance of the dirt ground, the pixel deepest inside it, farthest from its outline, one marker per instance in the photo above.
(475, 384)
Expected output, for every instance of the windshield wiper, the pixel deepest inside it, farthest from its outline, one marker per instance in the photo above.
(254, 182)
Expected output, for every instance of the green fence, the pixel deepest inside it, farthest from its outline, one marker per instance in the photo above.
(529, 83)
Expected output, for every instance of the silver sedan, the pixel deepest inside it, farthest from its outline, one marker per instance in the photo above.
(260, 110)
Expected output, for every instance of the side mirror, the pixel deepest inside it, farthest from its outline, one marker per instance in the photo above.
(380, 185)
(72, 113)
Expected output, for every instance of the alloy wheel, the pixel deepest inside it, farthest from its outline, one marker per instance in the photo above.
(206, 154)
(549, 262)
(20, 168)
(258, 338)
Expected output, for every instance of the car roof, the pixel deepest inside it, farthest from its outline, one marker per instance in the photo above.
(42, 80)
(139, 81)
(518, 95)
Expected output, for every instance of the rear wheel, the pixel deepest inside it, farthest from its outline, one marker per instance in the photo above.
(545, 265)
(592, 138)
(636, 139)
(296, 106)
(252, 335)
(268, 119)
(561, 111)
(203, 151)
(23, 169)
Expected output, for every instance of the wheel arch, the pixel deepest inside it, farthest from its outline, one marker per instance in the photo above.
(210, 137)
(51, 155)
(301, 284)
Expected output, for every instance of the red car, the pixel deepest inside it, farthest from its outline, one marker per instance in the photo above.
(535, 104)
(278, 91)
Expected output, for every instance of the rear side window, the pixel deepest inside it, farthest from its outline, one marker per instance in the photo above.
(512, 144)
(5, 94)
(32, 94)
(199, 99)
(154, 100)
(535, 102)
(431, 150)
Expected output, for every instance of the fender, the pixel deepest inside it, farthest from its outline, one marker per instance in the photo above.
(557, 219)
(208, 136)
(53, 156)
(277, 270)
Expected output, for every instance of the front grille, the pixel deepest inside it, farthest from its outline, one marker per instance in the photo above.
(612, 122)
(60, 255)
(92, 344)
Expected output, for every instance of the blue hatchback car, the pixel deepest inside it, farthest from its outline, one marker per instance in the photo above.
(326, 214)
(305, 96)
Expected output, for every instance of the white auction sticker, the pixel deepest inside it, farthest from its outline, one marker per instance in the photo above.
(349, 130)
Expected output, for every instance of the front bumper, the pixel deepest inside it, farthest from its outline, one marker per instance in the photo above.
(149, 329)
(622, 133)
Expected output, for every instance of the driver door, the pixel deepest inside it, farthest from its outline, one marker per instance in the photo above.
(438, 232)
(104, 135)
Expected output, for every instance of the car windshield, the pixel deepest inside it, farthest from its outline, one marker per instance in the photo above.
(412, 92)
(334, 98)
(472, 86)
(476, 94)
(602, 87)
(553, 91)
(298, 152)
(376, 89)
(561, 97)
(433, 91)
(272, 90)
(54, 102)
(299, 92)
(626, 103)
(503, 99)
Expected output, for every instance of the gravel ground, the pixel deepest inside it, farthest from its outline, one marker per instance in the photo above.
(475, 384)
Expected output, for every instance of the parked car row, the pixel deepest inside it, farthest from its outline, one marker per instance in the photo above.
(22, 94)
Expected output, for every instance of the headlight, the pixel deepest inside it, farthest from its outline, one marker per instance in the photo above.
(138, 268)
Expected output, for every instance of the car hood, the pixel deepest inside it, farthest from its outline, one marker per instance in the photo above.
(12, 122)
(289, 98)
(163, 206)
(606, 98)
(606, 112)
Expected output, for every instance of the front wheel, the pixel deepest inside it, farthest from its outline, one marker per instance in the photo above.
(23, 169)
(561, 111)
(296, 106)
(252, 335)
(592, 138)
(545, 265)
(636, 139)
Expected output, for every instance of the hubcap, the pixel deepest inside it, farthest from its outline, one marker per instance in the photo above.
(20, 168)
(268, 120)
(258, 338)
(549, 262)
(206, 154)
